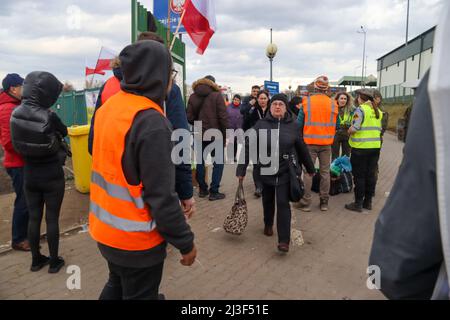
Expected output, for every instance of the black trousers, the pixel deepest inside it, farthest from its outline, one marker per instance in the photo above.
(257, 176)
(40, 192)
(365, 164)
(280, 196)
(132, 283)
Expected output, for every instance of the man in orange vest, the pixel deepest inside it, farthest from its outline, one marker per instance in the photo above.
(134, 210)
(318, 117)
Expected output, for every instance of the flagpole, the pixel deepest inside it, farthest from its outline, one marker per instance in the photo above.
(177, 30)
(96, 65)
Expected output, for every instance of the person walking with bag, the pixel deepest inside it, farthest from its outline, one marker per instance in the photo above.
(344, 121)
(36, 134)
(365, 140)
(277, 186)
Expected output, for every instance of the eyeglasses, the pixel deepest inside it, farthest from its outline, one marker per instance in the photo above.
(174, 73)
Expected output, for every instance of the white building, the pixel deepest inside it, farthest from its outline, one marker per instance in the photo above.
(404, 64)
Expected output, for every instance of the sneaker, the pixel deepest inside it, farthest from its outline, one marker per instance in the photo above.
(216, 196)
(357, 207)
(258, 193)
(56, 265)
(283, 247)
(323, 205)
(268, 231)
(203, 193)
(21, 246)
(39, 263)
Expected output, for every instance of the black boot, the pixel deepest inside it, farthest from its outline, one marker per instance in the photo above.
(56, 265)
(39, 263)
(367, 203)
(354, 206)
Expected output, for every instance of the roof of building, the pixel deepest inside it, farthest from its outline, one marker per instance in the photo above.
(370, 81)
(415, 46)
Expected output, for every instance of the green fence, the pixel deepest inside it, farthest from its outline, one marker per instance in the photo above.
(71, 108)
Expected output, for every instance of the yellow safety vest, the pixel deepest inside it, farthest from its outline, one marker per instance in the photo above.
(369, 136)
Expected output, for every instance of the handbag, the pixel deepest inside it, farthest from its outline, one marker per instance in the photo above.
(297, 189)
(236, 221)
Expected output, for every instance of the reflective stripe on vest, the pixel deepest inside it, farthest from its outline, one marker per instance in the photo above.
(320, 133)
(118, 215)
(112, 86)
(369, 136)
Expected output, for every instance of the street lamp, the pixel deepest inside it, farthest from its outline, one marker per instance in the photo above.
(364, 55)
(271, 52)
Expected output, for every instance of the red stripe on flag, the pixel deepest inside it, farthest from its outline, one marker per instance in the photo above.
(103, 64)
(197, 26)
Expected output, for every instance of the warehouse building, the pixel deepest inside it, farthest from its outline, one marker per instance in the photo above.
(407, 63)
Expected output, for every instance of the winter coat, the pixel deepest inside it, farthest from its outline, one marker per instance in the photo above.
(235, 117)
(407, 244)
(289, 142)
(36, 131)
(147, 156)
(253, 115)
(7, 105)
(206, 104)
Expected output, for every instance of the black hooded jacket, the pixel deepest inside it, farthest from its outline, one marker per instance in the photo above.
(290, 142)
(146, 69)
(35, 129)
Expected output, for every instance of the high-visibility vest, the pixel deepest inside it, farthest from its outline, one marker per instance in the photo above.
(112, 86)
(320, 120)
(346, 120)
(118, 215)
(369, 136)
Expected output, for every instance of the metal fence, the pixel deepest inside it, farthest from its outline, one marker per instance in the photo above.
(72, 109)
(397, 94)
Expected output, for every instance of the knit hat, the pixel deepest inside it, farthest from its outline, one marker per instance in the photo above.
(211, 78)
(12, 80)
(280, 97)
(322, 83)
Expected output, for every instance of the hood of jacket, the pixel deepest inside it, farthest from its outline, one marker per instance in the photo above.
(204, 87)
(146, 69)
(41, 89)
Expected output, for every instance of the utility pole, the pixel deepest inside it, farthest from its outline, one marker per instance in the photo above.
(364, 56)
(406, 45)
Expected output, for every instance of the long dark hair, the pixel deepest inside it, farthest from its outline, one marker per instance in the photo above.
(367, 98)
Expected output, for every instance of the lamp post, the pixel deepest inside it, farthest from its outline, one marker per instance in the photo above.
(354, 74)
(364, 55)
(271, 52)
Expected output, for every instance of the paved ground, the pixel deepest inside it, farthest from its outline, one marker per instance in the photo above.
(328, 259)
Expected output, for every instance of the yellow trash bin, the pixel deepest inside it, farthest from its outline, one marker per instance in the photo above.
(81, 159)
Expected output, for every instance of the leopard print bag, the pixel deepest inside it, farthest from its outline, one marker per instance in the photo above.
(237, 219)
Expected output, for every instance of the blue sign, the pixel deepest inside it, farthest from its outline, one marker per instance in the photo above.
(176, 10)
(272, 87)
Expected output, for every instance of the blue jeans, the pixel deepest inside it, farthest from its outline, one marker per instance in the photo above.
(20, 213)
(216, 174)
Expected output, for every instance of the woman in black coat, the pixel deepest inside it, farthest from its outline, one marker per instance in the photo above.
(276, 185)
(36, 134)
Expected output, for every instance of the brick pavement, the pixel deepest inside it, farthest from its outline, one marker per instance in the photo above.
(330, 264)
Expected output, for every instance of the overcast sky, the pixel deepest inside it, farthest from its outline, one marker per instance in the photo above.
(313, 37)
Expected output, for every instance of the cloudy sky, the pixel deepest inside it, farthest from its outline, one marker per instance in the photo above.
(313, 37)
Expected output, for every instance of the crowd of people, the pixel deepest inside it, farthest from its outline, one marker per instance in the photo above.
(141, 200)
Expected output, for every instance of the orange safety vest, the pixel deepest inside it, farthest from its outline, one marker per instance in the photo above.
(118, 215)
(112, 86)
(320, 120)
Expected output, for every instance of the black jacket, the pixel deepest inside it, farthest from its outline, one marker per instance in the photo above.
(252, 116)
(290, 142)
(407, 241)
(147, 155)
(36, 130)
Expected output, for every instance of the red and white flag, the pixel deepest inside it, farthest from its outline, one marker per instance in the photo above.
(200, 22)
(90, 71)
(104, 60)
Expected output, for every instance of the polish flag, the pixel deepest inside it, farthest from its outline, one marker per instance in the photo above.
(90, 71)
(104, 60)
(200, 22)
